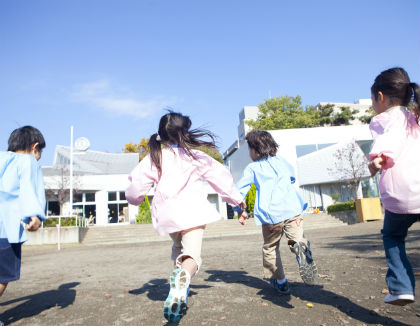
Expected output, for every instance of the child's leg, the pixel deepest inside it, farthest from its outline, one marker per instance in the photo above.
(273, 267)
(10, 261)
(188, 244)
(400, 276)
(2, 288)
(293, 229)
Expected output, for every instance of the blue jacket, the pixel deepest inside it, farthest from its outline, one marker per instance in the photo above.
(276, 199)
(22, 194)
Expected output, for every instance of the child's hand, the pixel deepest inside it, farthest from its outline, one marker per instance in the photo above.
(242, 205)
(376, 164)
(243, 217)
(34, 224)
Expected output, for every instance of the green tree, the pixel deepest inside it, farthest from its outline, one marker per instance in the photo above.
(368, 116)
(343, 117)
(250, 200)
(144, 215)
(286, 112)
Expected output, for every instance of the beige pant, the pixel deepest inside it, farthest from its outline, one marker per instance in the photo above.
(187, 244)
(272, 233)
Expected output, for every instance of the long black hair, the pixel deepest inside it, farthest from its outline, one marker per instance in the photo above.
(396, 84)
(174, 129)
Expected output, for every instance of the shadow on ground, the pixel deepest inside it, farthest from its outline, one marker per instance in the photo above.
(35, 304)
(370, 242)
(314, 294)
(158, 289)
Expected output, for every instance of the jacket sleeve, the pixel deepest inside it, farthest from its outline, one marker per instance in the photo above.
(219, 178)
(141, 180)
(388, 137)
(32, 191)
(244, 184)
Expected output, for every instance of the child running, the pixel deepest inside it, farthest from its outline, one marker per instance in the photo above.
(278, 208)
(22, 198)
(180, 207)
(395, 153)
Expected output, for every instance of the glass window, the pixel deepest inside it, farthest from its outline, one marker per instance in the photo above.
(90, 197)
(78, 210)
(365, 145)
(321, 146)
(90, 210)
(112, 196)
(112, 213)
(122, 195)
(123, 212)
(77, 197)
(305, 149)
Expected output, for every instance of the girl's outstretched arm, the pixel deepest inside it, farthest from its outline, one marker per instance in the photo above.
(219, 178)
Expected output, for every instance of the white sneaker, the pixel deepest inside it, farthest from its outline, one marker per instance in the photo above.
(399, 299)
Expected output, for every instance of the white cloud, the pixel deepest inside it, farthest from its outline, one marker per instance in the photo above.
(108, 97)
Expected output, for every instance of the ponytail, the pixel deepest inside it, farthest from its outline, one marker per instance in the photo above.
(156, 152)
(415, 105)
(174, 129)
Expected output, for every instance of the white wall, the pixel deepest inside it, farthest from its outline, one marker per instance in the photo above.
(288, 139)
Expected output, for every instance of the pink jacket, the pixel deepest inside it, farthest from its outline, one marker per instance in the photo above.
(180, 199)
(397, 137)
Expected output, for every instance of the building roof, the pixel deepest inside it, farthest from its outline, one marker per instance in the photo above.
(318, 167)
(92, 162)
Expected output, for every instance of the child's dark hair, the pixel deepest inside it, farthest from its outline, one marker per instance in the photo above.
(23, 138)
(396, 84)
(174, 129)
(262, 143)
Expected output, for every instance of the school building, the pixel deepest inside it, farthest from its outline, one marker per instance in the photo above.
(312, 153)
(99, 183)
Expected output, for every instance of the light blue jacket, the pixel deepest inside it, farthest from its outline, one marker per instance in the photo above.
(276, 199)
(22, 194)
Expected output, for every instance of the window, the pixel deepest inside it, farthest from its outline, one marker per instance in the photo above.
(302, 150)
(305, 149)
(90, 197)
(112, 196)
(117, 207)
(84, 205)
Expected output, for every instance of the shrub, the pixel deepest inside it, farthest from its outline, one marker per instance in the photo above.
(65, 221)
(145, 215)
(349, 206)
(250, 201)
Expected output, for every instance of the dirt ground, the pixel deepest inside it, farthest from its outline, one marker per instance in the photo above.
(126, 284)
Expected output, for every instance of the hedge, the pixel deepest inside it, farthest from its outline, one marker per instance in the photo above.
(349, 206)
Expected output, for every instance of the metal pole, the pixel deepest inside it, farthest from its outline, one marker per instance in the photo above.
(71, 173)
(58, 233)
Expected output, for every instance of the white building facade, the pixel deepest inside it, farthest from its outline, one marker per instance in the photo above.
(311, 153)
(100, 180)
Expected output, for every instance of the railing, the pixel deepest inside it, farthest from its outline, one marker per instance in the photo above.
(52, 221)
(65, 221)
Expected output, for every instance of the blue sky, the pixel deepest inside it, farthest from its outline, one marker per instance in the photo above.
(110, 68)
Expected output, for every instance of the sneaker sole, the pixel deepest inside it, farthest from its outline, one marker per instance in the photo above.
(400, 302)
(175, 306)
(308, 271)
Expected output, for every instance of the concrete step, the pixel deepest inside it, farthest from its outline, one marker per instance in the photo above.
(145, 232)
